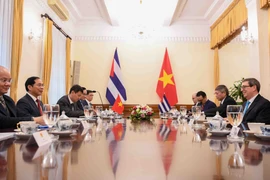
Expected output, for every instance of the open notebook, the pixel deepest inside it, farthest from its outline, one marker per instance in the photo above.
(4, 136)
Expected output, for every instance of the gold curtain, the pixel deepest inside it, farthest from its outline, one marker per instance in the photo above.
(229, 23)
(216, 70)
(68, 45)
(47, 60)
(16, 51)
(265, 3)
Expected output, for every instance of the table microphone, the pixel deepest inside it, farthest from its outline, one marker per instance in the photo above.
(93, 91)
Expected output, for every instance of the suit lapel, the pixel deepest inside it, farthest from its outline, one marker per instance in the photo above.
(3, 111)
(252, 105)
(9, 104)
(33, 104)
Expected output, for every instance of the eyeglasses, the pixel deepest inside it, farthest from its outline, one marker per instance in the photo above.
(244, 87)
(40, 85)
(6, 80)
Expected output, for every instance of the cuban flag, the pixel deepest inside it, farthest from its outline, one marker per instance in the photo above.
(115, 85)
(164, 105)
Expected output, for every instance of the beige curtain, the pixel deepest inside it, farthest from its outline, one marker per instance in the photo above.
(16, 52)
(216, 70)
(233, 18)
(68, 45)
(47, 60)
(264, 3)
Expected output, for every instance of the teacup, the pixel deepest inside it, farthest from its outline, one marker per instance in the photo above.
(265, 130)
(64, 124)
(217, 125)
(255, 127)
(28, 127)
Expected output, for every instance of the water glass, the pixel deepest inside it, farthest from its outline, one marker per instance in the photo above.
(196, 112)
(51, 114)
(86, 110)
(235, 117)
(183, 110)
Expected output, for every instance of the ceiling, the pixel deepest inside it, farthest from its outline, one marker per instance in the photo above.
(163, 12)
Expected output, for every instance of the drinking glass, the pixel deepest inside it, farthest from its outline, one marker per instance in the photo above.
(196, 112)
(236, 164)
(51, 114)
(183, 110)
(235, 117)
(86, 110)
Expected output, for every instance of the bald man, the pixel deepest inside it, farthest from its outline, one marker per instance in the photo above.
(8, 112)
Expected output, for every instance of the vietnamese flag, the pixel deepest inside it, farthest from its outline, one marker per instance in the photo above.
(166, 84)
(118, 105)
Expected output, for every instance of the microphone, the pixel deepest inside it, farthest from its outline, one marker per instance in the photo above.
(93, 91)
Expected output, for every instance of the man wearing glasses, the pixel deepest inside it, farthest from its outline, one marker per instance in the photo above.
(222, 94)
(30, 105)
(256, 108)
(8, 112)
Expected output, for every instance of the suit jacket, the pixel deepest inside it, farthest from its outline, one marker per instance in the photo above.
(221, 108)
(81, 104)
(71, 110)
(258, 111)
(27, 107)
(11, 120)
(208, 105)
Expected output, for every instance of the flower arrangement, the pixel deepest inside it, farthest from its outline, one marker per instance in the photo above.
(141, 113)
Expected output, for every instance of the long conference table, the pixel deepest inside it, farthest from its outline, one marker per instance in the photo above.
(125, 151)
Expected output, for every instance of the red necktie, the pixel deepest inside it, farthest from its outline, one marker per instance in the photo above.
(39, 107)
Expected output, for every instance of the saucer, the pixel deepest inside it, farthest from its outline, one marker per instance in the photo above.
(21, 135)
(262, 136)
(250, 132)
(219, 133)
(17, 130)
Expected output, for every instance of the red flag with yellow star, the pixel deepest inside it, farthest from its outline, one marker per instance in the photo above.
(166, 84)
(118, 105)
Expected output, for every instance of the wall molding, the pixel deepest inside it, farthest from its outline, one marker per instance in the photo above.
(122, 38)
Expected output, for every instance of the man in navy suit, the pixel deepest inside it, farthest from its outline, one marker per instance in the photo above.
(68, 103)
(256, 108)
(222, 94)
(29, 105)
(82, 102)
(8, 112)
(204, 102)
(89, 98)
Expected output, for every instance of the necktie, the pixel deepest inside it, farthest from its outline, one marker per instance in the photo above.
(39, 107)
(3, 103)
(246, 107)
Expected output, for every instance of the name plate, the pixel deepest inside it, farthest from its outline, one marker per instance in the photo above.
(40, 138)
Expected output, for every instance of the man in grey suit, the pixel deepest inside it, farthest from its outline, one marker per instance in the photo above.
(68, 103)
(30, 105)
(8, 112)
(222, 94)
(256, 108)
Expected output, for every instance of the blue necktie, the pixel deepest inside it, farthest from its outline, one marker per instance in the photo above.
(246, 107)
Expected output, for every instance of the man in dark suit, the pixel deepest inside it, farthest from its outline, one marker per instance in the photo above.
(89, 98)
(222, 94)
(82, 102)
(256, 108)
(8, 112)
(68, 103)
(204, 102)
(30, 105)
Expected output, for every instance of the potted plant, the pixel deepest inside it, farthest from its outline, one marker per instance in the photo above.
(236, 93)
